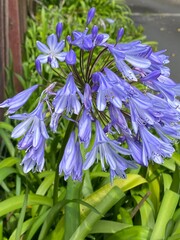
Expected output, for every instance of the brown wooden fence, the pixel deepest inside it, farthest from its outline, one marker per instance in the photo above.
(13, 16)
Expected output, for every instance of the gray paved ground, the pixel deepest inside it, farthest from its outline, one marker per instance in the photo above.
(161, 22)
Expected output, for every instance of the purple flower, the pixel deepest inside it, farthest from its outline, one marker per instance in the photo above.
(38, 66)
(135, 147)
(90, 15)
(53, 51)
(141, 109)
(167, 113)
(34, 158)
(18, 100)
(71, 163)
(107, 151)
(32, 126)
(88, 41)
(87, 97)
(107, 92)
(66, 98)
(165, 130)
(34, 135)
(94, 31)
(59, 29)
(133, 53)
(119, 34)
(118, 120)
(71, 57)
(162, 84)
(158, 60)
(153, 148)
(54, 121)
(85, 128)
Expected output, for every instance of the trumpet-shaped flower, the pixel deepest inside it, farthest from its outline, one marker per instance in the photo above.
(107, 92)
(153, 148)
(107, 151)
(66, 98)
(33, 126)
(134, 53)
(16, 102)
(71, 163)
(34, 135)
(85, 128)
(34, 158)
(162, 84)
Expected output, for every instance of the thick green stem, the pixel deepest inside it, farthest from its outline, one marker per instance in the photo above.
(72, 210)
(61, 152)
(111, 198)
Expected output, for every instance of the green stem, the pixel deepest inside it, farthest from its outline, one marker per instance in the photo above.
(82, 63)
(107, 203)
(72, 210)
(61, 152)
(88, 64)
(95, 61)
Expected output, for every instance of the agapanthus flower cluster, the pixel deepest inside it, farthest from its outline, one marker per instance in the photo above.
(118, 96)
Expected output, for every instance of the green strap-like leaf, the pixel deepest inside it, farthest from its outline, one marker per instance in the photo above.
(22, 216)
(134, 233)
(103, 226)
(8, 142)
(43, 188)
(167, 209)
(16, 202)
(36, 225)
(9, 162)
(130, 182)
(7, 126)
(4, 172)
(26, 225)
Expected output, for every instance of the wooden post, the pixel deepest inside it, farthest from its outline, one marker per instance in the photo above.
(3, 48)
(15, 40)
(13, 16)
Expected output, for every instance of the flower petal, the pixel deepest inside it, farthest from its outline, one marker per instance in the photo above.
(52, 41)
(138, 61)
(42, 47)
